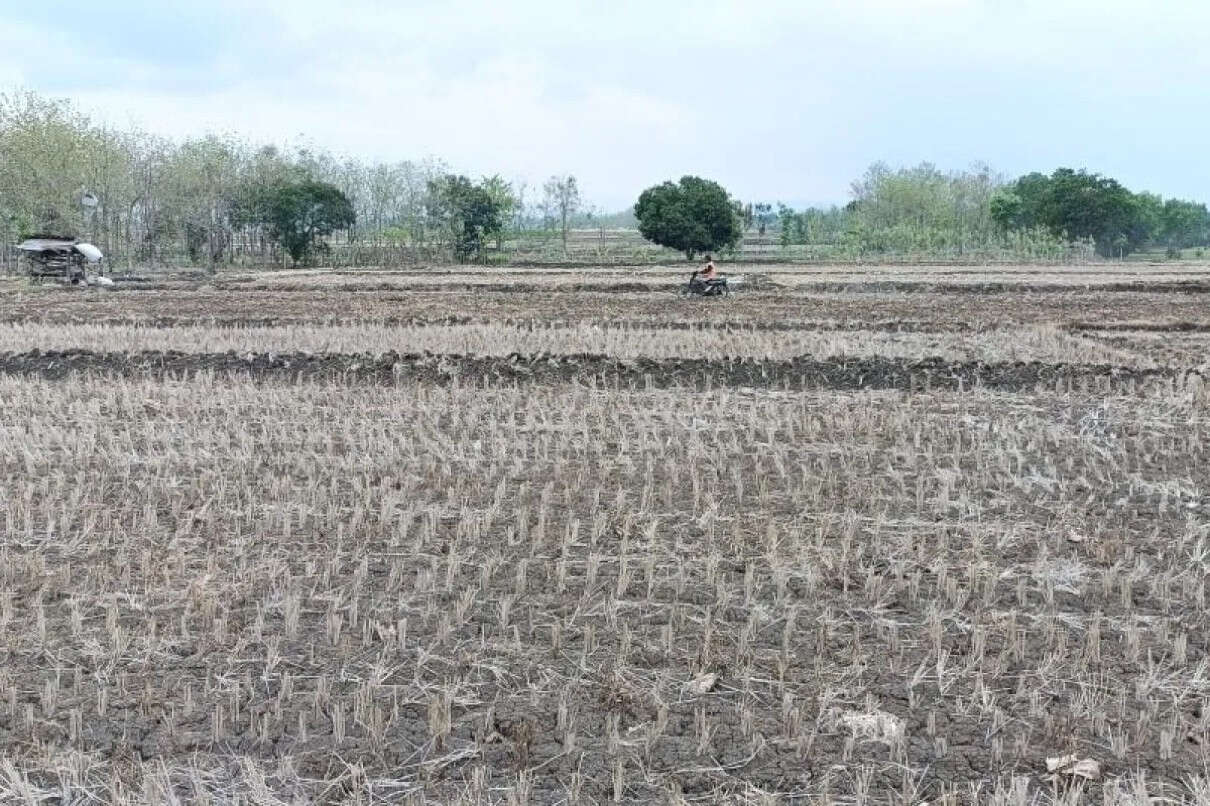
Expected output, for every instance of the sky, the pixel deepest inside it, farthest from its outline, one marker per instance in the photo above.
(786, 100)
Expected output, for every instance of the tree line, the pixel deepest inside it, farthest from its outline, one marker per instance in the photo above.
(218, 199)
(923, 210)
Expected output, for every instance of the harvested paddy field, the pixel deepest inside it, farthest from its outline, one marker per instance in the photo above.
(1022, 344)
(858, 309)
(327, 545)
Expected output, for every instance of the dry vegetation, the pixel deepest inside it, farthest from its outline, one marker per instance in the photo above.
(788, 276)
(1034, 343)
(240, 589)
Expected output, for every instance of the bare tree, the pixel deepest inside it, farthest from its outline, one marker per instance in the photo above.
(562, 200)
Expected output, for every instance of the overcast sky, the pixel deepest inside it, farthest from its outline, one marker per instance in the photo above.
(780, 99)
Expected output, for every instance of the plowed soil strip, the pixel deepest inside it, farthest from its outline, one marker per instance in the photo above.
(263, 307)
(1138, 327)
(723, 325)
(598, 370)
(718, 325)
(855, 286)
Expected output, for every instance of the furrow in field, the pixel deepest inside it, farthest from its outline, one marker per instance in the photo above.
(607, 371)
(1041, 344)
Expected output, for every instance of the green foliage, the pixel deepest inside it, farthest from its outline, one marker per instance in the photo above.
(814, 225)
(506, 202)
(1082, 205)
(758, 215)
(922, 209)
(162, 201)
(1088, 205)
(200, 188)
(205, 200)
(925, 212)
(35, 193)
(744, 212)
(1184, 224)
(693, 216)
(1007, 210)
(50, 154)
(298, 214)
(466, 213)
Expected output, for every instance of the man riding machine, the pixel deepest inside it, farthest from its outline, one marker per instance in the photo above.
(706, 282)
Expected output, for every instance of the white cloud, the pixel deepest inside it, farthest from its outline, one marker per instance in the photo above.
(782, 99)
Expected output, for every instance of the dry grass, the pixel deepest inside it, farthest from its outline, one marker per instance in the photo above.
(263, 594)
(1036, 343)
(788, 275)
(936, 311)
(222, 590)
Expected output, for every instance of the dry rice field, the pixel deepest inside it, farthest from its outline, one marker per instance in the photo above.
(850, 536)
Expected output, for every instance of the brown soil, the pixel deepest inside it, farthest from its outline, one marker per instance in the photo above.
(599, 370)
(1008, 559)
(934, 310)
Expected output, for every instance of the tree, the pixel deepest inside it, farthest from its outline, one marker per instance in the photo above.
(562, 200)
(1146, 220)
(200, 189)
(45, 148)
(923, 209)
(506, 202)
(692, 216)
(1088, 205)
(764, 216)
(519, 212)
(744, 211)
(298, 214)
(465, 212)
(1007, 211)
(1184, 223)
(1078, 204)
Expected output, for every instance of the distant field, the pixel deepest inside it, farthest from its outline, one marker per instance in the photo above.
(789, 276)
(1020, 344)
(852, 535)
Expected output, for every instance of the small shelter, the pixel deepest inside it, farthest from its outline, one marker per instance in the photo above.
(59, 258)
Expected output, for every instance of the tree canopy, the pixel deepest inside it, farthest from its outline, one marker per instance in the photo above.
(298, 214)
(1079, 204)
(1183, 224)
(467, 213)
(922, 210)
(205, 200)
(693, 216)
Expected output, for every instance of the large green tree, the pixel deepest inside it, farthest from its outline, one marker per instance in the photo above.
(1079, 204)
(298, 214)
(465, 213)
(693, 216)
(1184, 223)
(506, 201)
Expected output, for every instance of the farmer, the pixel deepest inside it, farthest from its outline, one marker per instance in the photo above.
(706, 280)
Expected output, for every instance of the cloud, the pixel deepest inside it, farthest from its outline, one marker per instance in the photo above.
(784, 99)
